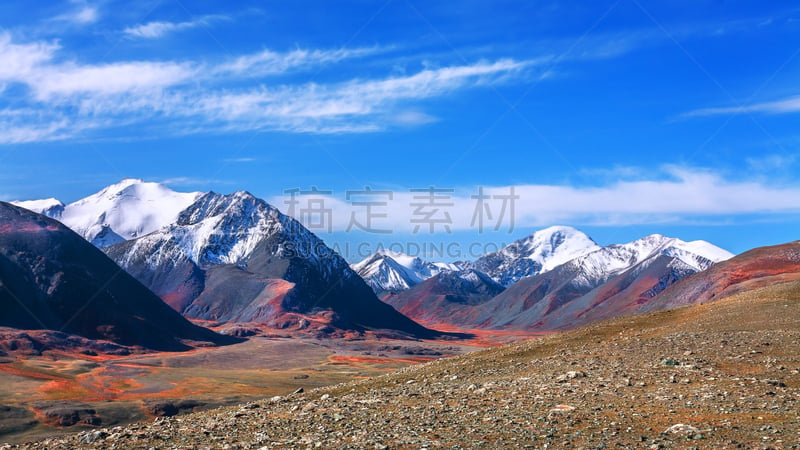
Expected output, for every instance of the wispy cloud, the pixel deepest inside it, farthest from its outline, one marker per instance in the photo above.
(153, 30)
(771, 163)
(268, 62)
(784, 106)
(109, 79)
(671, 194)
(81, 14)
(32, 64)
(20, 60)
(357, 105)
(18, 133)
(413, 118)
(67, 98)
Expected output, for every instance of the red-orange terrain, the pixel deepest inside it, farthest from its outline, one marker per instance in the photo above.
(57, 391)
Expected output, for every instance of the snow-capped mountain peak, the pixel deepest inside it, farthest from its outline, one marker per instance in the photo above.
(553, 246)
(699, 255)
(537, 253)
(224, 229)
(122, 211)
(606, 262)
(388, 271)
(237, 258)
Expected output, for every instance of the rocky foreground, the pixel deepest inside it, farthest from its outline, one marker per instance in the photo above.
(720, 375)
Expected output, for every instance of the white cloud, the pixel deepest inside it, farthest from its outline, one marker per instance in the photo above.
(413, 118)
(117, 78)
(32, 64)
(783, 106)
(675, 194)
(20, 60)
(83, 14)
(69, 97)
(86, 15)
(771, 163)
(353, 106)
(268, 62)
(153, 30)
(11, 133)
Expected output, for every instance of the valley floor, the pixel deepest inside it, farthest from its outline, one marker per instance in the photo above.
(719, 375)
(58, 392)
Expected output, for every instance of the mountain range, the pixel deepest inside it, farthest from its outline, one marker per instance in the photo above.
(235, 258)
(548, 287)
(227, 259)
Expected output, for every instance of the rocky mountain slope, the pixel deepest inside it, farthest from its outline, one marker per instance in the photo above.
(447, 298)
(235, 258)
(755, 268)
(52, 279)
(718, 375)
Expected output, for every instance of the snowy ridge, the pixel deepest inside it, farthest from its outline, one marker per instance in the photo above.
(551, 247)
(122, 211)
(604, 263)
(387, 271)
(540, 252)
(227, 229)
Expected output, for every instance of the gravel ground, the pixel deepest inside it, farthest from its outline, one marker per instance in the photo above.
(720, 375)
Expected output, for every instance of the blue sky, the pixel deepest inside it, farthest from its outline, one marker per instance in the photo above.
(622, 118)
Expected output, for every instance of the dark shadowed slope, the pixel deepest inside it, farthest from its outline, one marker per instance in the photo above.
(51, 278)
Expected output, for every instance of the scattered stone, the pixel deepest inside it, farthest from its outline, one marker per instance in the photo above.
(92, 437)
(680, 428)
(562, 409)
(571, 375)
